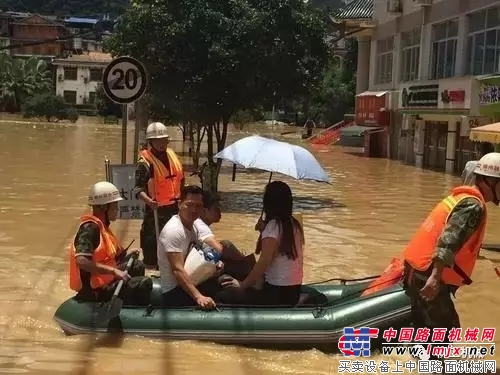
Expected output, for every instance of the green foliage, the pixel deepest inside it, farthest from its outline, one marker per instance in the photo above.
(50, 107)
(335, 95)
(104, 106)
(240, 118)
(20, 79)
(67, 7)
(209, 59)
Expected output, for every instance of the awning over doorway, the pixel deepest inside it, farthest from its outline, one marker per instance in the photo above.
(357, 131)
(378, 94)
(489, 77)
(486, 133)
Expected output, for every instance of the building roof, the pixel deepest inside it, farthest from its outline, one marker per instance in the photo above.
(355, 10)
(85, 58)
(91, 21)
(36, 19)
(14, 15)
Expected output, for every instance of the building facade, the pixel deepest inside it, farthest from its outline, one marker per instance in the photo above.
(373, 107)
(32, 29)
(439, 63)
(27, 31)
(78, 76)
(4, 33)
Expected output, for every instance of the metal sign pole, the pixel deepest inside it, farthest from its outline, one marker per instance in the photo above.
(124, 133)
(124, 82)
(136, 131)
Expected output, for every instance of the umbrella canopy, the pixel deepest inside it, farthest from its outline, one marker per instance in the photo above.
(275, 157)
(486, 133)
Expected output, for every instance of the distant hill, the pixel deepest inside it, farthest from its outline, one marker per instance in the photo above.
(66, 7)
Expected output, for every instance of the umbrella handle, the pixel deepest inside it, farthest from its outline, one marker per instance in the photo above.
(262, 211)
(234, 173)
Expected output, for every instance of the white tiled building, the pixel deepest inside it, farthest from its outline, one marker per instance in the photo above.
(78, 76)
(438, 63)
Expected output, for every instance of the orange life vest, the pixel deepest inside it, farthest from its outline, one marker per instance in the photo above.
(164, 187)
(419, 252)
(391, 276)
(109, 247)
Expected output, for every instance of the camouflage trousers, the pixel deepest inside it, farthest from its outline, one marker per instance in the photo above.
(438, 313)
(148, 235)
(136, 291)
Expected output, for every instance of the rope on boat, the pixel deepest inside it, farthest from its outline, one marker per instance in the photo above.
(320, 307)
(344, 281)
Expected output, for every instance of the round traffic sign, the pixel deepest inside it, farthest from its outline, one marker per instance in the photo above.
(124, 80)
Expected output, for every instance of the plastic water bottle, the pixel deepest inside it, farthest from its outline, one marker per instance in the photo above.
(211, 255)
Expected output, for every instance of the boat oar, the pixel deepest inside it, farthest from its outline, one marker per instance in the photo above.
(112, 308)
(157, 226)
(491, 247)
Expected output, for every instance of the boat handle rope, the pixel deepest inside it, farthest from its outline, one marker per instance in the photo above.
(318, 310)
(348, 296)
(342, 280)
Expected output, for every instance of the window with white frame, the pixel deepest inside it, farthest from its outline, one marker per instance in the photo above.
(444, 49)
(383, 60)
(483, 43)
(410, 55)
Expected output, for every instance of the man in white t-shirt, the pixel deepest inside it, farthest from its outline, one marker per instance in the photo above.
(176, 239)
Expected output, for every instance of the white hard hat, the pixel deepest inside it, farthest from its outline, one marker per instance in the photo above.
(156, 130)
(103, 193)
(489, 165)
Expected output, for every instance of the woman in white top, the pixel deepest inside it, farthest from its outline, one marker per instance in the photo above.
(280, 246)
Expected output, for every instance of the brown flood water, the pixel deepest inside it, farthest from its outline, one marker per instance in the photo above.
(353, 228)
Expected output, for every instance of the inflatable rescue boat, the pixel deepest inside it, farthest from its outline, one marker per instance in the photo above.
(319, 318)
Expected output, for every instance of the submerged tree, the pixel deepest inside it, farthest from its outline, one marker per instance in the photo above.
(51, 107)
(209, 59)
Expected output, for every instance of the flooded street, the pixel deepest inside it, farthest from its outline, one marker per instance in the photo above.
(353, 228)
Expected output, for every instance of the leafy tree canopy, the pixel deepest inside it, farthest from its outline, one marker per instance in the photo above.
(208, 59)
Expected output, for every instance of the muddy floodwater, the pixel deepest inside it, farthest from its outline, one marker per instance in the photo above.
(353, 228)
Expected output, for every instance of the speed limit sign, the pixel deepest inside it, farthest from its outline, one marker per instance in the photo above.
(124, 80)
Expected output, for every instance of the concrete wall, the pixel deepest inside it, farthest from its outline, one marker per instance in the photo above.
(81, 85)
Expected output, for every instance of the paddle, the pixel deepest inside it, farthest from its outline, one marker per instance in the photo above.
(491, 247)
(112, 308)
(157, 226)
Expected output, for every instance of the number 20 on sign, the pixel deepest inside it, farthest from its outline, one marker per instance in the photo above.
(124, 80)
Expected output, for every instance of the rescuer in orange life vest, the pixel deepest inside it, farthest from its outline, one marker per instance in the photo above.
(158, 181)
(98, 261)
(441, 255)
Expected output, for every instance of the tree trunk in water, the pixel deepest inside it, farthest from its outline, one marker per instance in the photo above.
(141, 120)
(196, 143)
(210, 176)
(210, 172)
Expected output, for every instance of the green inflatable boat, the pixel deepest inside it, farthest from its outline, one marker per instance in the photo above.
(319, 318)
